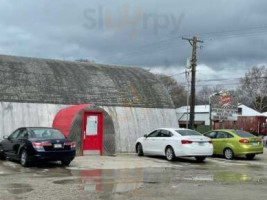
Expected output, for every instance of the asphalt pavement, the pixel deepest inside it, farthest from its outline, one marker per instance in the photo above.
(127, 176)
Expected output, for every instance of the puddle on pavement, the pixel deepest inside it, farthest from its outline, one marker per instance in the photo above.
(18, 188)
(107, 181)
(232, 177)
(227, 177)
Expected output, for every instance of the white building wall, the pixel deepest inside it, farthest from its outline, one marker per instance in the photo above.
(132, 122)
(15, 115)
(129, 122)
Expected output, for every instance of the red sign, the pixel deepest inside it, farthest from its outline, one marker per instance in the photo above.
(225, 100)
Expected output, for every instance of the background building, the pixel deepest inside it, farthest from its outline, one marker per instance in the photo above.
(202, 118)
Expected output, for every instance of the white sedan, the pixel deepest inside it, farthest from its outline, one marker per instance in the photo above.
(175, 142)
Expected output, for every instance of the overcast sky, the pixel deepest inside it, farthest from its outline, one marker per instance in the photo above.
(145, 33)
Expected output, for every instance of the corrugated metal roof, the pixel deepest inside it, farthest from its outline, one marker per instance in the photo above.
(64, 82)
(247, 111)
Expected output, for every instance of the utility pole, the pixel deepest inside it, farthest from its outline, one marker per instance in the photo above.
(187, 72)
(193, 42)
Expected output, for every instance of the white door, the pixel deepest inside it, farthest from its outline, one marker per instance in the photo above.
(162, 141)
(149, 143)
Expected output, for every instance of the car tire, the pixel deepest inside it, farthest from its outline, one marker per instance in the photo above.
(139, 150)
(2, 154)
(228, 154)
(200, 158)
(250, 156)
(24, 159)
(65, 162)
(169, 153)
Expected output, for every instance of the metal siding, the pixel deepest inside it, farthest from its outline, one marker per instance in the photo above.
(131, 123)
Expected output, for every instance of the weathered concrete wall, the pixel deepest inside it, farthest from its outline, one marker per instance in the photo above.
(129, 122)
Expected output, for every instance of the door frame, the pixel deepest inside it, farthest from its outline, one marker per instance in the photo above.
(101, 129)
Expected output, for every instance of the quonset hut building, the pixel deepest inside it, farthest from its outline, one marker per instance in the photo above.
(103, 108)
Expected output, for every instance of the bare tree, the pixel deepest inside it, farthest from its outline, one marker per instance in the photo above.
(253, 89)
(177, 91)
(204, 93)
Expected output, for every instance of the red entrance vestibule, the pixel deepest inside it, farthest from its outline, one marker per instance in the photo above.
(84, 125)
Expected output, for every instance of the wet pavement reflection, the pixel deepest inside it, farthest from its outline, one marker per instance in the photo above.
(107, 181)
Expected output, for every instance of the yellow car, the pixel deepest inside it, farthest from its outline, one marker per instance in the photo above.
(231, 143)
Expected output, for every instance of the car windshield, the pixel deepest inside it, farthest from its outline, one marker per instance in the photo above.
(243, 134)
(187, 132)
(42, 133)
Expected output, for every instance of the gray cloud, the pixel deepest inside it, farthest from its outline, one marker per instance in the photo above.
(142, 33)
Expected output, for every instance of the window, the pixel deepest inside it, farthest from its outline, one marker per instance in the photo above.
(15, 134)
(23, 134)
(165, 133)
(222, 135)
(91, 125)
(43, 133)
(243, 133)
(187, 132)
(239, 111)
(154, 133)
(211, 134)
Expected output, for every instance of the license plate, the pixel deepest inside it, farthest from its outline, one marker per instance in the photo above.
(57, 145)
(255, 143)
(201, 143)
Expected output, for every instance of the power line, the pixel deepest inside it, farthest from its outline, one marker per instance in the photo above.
(169, 45)
(235, 32)
(225, 79)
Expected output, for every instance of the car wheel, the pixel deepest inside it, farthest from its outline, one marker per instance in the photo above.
(2, 154)
(200, 158)
(170, 156)
(228, 154)
(140, 150)
(250, 156)
(65, 162)
(24, 159)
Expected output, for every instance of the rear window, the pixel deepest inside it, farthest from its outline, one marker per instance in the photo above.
(187, 132)
(41, 133)
(243, 133)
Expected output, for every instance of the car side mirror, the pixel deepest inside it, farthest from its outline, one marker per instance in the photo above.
(145, 135)
(5, 137)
